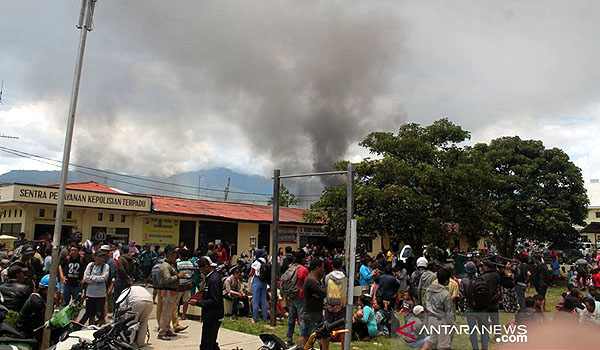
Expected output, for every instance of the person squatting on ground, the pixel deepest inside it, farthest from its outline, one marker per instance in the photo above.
(233, 291)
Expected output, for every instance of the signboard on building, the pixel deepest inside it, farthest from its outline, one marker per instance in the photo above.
(161, 231)
(288, 234)
(311, 232)
(49, 195)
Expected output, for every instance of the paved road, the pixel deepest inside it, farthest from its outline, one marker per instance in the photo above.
(190, 338)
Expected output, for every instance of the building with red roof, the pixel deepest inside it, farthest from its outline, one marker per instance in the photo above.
(103, 213)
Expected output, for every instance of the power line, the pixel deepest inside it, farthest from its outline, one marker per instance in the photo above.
(46, 160)
(6, 149)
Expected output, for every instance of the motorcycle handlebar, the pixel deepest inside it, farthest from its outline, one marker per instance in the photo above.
(336, 324)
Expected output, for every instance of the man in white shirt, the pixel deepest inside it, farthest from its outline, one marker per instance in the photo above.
(140, 301)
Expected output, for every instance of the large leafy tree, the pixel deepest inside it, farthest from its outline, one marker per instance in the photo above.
(537, 193)
(420, 185)
(286, 198)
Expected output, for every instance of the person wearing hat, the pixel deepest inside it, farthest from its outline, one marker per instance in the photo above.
(419, 336)
(169, 281)
(211, 304)
(95, 276)
(14, 291)
(110, 282)
(24, 261)
(32, 313)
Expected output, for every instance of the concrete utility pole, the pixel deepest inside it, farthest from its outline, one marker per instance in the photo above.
(85, 25)
(274, 244)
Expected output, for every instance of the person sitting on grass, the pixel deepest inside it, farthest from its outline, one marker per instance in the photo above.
(364, 324)
(591, 313)
(382, 318)
(418, 336)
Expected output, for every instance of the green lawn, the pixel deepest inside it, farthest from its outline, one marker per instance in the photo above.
(244, 325)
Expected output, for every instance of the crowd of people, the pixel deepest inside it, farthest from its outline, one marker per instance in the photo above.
(312, 288)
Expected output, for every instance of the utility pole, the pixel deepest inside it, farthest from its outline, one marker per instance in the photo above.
(227, 188)
(200, 178)
(350, 251)
(274, 244)
(85, 25)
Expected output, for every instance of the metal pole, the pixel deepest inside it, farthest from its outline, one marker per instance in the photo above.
(350, 251)
(274, 244)
(313, 174)
(87, 10)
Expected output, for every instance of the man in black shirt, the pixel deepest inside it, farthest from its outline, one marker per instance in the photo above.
(314, 293)
(70, 273)
(211, 304)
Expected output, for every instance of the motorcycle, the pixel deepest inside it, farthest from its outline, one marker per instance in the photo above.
(112, 336)
(11, 338)
(322, 331)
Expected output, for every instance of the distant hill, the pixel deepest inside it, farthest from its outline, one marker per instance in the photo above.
(213, 182)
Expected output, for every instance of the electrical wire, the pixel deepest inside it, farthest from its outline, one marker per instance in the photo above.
(46, 160)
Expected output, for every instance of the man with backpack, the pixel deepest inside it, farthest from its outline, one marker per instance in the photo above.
(260, 277)
(474, 293)
(492, 279)
(335, 300)
(416, 277)
(291, 287)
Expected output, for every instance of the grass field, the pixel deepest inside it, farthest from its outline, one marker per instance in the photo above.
(460, 342)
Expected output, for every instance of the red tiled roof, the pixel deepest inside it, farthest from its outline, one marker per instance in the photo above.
(225, 210)
(87, 186)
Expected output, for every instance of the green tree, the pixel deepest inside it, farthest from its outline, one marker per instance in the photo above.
(421, 181)
(286, 198)
(537, 193)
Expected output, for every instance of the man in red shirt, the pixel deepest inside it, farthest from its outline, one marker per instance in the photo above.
(296, 304)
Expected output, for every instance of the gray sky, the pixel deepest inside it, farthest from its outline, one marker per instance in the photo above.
(171, 86)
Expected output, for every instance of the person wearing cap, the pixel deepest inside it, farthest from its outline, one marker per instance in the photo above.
(24, 261)
(14, 291)
(33, 311)
(110, 282)
(211, 304)
(169, 281)
(95, 276)
(419, 336)
(140, 301)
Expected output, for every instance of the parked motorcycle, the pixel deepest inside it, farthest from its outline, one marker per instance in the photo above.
(11, 338)
(322, 331)
(112, 336)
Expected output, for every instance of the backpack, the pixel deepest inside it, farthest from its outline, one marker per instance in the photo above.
(289, 282)
(334, 293)
(156, 275)
(265, 272)
(479, 291)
